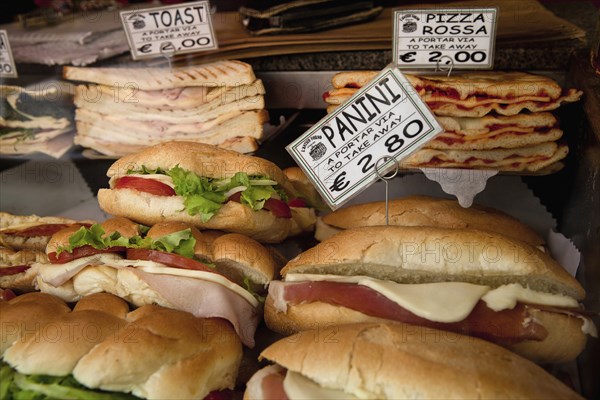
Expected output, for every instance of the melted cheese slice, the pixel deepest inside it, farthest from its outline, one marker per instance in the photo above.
(445, 301)
(298, 387)
(57, 274)
(507, 296)
(434, 301)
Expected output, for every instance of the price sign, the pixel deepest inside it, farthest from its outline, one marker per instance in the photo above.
(464, 38)
(385, 118)
(7, 63)
(183, 28)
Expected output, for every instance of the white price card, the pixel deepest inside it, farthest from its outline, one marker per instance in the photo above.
(430, 38)
(385, 118)
(7, 63)
(181, 28)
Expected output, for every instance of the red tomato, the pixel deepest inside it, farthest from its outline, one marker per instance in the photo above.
(17, 269)
(278, 208)
(7, 294)
(144, 185)
(224, 394)
(79, 252)
(297, 202)
(170, 259)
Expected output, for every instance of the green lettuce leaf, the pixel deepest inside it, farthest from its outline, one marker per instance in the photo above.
(205, 196)
(17, 386)
(94, 236)
(255, 196)
(181, 243)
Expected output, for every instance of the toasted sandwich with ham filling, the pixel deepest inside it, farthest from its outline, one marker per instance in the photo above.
(397, 361)
(473, 282)
(207, 187)
(172, 264)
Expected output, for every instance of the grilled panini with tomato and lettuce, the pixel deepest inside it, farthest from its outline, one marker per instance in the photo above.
(171, 264)
(207, 187)
(23, 240)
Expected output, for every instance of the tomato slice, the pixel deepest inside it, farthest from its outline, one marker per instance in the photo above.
(144, 185)
(79, 252)
(170, 259)
(16, 269)
(7, 294)
(297, 202)
(225, 394)
(278, 208)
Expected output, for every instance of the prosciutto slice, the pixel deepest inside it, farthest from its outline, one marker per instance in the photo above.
(506, 326)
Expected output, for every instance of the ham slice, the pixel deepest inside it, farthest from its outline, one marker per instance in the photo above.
(205, 299)
(506, 326)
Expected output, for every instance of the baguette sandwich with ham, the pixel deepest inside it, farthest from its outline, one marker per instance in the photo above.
(23, 240)
(425, 211)
(207, 187)
(101, 350)
(465, 280)
(397, 361)
(172, 264)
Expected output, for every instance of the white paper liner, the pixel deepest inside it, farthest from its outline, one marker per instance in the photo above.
(464, 184)
(42, 187)
(564, 251)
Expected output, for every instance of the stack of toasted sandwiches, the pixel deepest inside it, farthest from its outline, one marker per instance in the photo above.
(122, 110)
(34, 121)
(495, 120)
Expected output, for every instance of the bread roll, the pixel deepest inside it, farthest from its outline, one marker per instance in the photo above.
(398, 361)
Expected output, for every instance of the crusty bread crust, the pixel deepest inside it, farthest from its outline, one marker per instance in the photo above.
(203, 159)
(429, 254)
(219, 73)
(239, 256)
(150, 209)
(26, 313)
(431, 211)
(152, 352)
(398, 361)
(564, 343)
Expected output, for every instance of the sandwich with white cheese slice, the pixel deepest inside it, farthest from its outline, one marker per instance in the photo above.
(208, 187)
(397, 361)
(173, 264)
(473, 282)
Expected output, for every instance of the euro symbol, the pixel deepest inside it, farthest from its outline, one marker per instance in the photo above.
(147, 48)
(338, 183)
(408, 57)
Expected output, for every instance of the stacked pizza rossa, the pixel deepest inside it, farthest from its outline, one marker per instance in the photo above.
(122, 110)
(496, 120)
